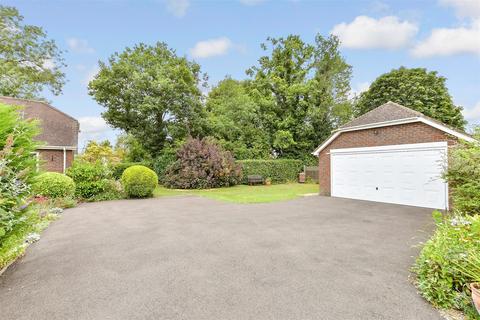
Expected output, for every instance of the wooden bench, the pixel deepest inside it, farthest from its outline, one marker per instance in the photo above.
(254, 179)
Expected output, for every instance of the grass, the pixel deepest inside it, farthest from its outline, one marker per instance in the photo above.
(247, 194)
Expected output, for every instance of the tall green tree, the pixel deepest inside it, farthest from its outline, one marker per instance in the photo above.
(416, 88)
(29, 61)
(302, 92)
(234, 120)
(152, 94)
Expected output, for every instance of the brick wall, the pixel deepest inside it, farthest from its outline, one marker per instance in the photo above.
(416, 132)
(52, 160)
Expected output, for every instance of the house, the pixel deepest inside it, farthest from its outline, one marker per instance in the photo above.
(59, 133)
(390, 154)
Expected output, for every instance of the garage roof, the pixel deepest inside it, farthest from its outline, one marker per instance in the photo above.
(389, 114)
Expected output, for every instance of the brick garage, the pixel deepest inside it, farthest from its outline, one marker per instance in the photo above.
(59, 133)
(388, 127)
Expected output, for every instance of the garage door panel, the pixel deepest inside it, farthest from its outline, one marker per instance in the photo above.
(402, 174)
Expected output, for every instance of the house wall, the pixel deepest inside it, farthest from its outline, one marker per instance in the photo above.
(416, 132)
(52, 160)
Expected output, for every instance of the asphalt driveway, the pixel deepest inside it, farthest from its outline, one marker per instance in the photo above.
(195, 258)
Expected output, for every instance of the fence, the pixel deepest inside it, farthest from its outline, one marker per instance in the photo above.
(311, 173)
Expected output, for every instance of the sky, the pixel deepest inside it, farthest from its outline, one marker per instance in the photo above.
(224, 37)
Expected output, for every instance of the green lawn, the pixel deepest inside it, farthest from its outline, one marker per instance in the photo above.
(247, 194)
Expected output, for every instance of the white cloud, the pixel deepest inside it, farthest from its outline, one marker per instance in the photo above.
(211, 47)
(450, 41)
(178, 7)
(464, 8)
(251, 2)
(368, 33)
(94, 128)
(79, 45)
(49, 64)
(358, 89)
(91, 74)
(472, 114)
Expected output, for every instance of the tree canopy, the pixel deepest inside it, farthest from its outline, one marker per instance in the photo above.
(418, 89)
(29, 61)
(151, 93)
(302, 92)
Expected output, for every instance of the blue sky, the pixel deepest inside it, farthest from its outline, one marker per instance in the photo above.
(225, 36)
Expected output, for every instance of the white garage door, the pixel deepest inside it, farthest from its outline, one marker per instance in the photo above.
(407, 174)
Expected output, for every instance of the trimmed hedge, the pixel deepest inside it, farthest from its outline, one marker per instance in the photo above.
(280, 171)
(139, 181)
(53, 185)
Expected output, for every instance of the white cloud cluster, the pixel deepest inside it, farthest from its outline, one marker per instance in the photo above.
(91, 74)
(93, 128)
(79, 45)
(369, 33)
(450, 41)
(177, 7)
(464, 8)
(472, 114)
(211, 47)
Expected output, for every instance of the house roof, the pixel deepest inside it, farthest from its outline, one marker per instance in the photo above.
(59, 130)
(389, 111)
(389, 114)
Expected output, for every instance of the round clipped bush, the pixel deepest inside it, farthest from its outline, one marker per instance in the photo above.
(53, 185)
(139, 181)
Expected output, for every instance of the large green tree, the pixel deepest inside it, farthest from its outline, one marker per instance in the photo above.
(302, 92)
(152, 94)
(29, 61)
(416, 88)
(234, 120)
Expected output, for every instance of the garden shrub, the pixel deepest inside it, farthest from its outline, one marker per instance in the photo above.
(53, 185)
(112, 190)
(91, 179)
(163, 161)
(117, 169)
(200, 164)
(438, 267)
(17, 167)
(139, 181)
(280, 171)
(463, 176)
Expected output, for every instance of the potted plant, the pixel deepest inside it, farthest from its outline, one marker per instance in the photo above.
(472, 271)
(268, 181)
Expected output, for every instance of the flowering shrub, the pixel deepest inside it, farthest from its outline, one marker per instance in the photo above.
(442, 259)
(200, 164)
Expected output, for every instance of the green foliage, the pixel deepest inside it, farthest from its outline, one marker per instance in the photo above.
(100, 152)
(163, 161)
(463, 176)
(201, 164)
(150, 93)
(53, 185)
(280, 171)
(415, 88)
(17, 167)
(129, 149)
(91, 179)
(112, 190)
(234, 120)
(139, 181)
(301, 93)
(29, 62)
(439, 266)
(118, 168)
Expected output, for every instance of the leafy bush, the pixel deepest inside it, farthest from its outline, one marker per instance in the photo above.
(139, 181)
(17, 167)
(112, 190)
(53, 185)
(280, 171)
(117, 169)
(91, 179)
(201, 164)
(439, 265)
(463, 176)
(163, 161)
